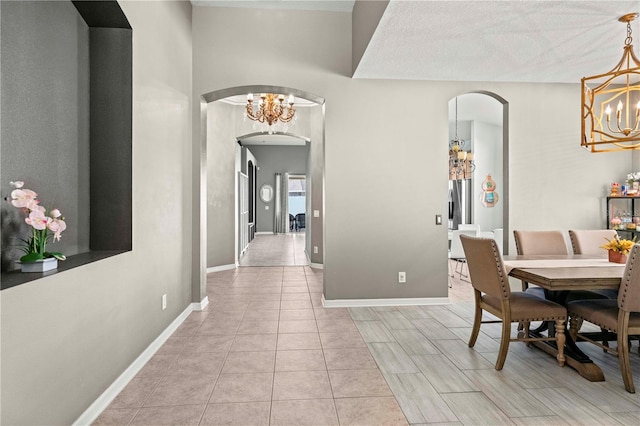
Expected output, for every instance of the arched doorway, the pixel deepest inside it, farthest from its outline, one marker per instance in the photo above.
(479, 160)
(200, 174)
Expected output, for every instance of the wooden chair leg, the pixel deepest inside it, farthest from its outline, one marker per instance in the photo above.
(504, 344)
(605, 339)
(623, 358)
(476, 323)
(574, 327)
(560, 341)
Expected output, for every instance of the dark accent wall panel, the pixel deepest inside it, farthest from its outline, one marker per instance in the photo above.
(111, 136)
(102, 14)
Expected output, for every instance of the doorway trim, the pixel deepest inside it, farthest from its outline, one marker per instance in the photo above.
(199, 178)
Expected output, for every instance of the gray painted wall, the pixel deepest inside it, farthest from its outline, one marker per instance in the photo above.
(396, 191)
(221, 184)
(315, 186)
(45, 118)
(66, 337)
(271, 160)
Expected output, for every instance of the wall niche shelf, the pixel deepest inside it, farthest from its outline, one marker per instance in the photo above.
(98, 206)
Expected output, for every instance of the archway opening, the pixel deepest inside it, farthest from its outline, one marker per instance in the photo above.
(221, 208)
(478, 185)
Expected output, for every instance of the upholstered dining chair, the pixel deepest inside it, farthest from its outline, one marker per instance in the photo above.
(492, 294)
(621, 316)
(539, 242)
(589, 241)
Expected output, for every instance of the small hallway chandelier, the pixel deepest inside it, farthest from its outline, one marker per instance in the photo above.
(602, 129)
(461, 164)
(271, 109)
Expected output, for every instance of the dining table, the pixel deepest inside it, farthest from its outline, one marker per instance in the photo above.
(558, 275)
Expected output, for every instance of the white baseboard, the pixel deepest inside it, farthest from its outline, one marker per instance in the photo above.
(200, 306)
(221, 268)
(103, 401)
(353, 303)
(264, 233)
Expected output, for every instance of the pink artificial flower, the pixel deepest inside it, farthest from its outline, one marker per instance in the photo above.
(57, 226)
(17, 184)
(55, 213)
(24, 198)
(38, 220)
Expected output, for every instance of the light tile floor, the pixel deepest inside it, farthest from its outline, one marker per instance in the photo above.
(266, 352)
(276, 250)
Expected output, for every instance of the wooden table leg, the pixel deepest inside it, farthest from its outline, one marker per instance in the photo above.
(574, 357)
(588, 370)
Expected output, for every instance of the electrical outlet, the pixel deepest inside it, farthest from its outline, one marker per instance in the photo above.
(315, 249)
(164, 302)
(402, 277)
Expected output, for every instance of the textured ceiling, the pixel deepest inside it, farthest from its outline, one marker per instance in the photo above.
(511, 41)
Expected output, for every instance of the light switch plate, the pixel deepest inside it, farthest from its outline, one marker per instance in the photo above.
(316, 213)
(266, 207)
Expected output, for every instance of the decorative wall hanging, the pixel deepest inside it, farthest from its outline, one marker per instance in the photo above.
(489, 197)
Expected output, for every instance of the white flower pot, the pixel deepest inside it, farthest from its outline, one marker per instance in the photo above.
(43, 265)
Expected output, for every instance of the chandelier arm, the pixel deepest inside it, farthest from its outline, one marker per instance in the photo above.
(249, 110)
(637, 122)
(290, 114)
(618, 121)
(633, 56)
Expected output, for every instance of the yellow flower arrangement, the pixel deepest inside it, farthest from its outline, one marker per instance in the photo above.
(618, 245)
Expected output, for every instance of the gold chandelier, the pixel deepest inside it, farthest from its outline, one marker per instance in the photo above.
(461, 164)
(603, 131)
(271, 109)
